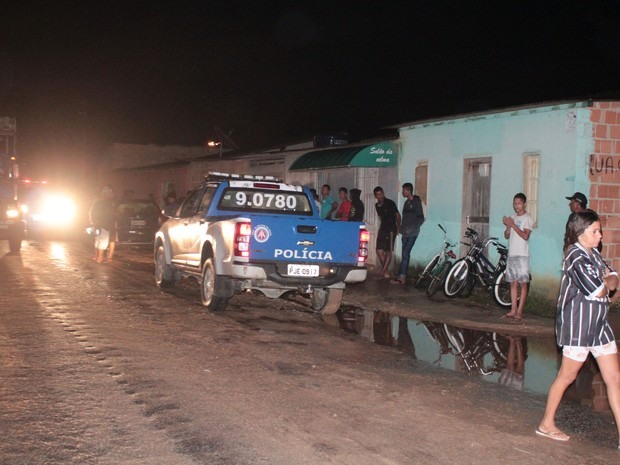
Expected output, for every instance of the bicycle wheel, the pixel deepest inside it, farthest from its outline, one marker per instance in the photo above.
(501, 291)
(456, 338)
(437, 279)
(468, 288)
(428, 270)
(457, 278)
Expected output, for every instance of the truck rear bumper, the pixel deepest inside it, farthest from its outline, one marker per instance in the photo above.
(271, 273)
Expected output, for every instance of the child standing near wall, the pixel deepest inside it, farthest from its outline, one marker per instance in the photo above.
(518, 229)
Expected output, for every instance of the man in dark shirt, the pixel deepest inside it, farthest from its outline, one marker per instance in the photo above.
(357, 206)
(387, 211)
(412, 219)
(103, 217)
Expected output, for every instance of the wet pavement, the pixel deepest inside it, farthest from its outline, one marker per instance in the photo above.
(465, 336)
(409, 302)
(98, 366)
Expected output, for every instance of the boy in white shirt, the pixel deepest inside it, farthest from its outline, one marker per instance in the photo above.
(518, 229)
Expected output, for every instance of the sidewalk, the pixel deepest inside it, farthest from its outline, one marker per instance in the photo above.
(409, 302)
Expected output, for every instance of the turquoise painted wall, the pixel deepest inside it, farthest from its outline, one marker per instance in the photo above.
(560, 134)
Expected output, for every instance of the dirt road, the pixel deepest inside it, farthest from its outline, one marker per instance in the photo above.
(99, 367)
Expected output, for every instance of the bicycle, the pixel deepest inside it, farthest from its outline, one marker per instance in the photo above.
(437, 268)
(473, 346)
(436, 331)
(476, 267)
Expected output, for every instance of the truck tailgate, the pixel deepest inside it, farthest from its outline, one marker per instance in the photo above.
(304, 240)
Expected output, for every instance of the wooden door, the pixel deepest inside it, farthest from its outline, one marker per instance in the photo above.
(477, 195)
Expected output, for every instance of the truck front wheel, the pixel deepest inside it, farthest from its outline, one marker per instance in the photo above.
(164, 273)
(326, 301)
(208, 286)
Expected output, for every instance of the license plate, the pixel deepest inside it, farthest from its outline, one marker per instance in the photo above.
(303, 270)
(138, 222)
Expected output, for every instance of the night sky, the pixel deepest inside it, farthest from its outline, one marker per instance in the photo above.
(79, 75)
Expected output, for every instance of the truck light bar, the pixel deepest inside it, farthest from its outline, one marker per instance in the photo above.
(216, 175)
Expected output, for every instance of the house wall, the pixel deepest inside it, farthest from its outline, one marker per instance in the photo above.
(603, 174)
(148, 169)
(560, 134)
(152, 181)
(123, 156)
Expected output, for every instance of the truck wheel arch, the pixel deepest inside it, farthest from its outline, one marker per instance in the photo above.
(207, 252)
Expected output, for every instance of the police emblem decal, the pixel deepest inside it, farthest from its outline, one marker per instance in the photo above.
(262, 233)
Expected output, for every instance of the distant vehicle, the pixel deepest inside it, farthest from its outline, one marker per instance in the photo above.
(239, 232)
(47, 209)
(12, 224)
(137, 220)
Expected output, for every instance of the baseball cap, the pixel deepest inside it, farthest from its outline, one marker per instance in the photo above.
(579, 197)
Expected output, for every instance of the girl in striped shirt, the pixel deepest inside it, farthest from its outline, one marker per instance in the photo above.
(581, 325)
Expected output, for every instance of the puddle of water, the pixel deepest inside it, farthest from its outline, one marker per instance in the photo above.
(524, 363)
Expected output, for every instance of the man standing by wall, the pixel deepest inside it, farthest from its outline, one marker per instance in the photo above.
(387, 211)
(412, 219)
(579, 203)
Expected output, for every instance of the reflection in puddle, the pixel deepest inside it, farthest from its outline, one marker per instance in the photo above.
(57, 251)
(513, 361)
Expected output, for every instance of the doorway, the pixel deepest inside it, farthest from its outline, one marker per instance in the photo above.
(476, 196)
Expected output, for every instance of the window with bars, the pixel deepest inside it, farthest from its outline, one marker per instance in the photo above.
(531, 176)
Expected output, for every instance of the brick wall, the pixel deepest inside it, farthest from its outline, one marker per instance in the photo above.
(605, 175)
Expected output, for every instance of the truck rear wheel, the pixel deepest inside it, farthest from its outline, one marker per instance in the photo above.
(208, 286)
(326, 301)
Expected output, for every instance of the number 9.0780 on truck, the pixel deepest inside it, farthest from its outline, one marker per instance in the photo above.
(236, 233)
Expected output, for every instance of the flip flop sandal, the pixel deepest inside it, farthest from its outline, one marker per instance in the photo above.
(554, 435)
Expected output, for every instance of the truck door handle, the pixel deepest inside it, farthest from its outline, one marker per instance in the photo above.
(306, 229)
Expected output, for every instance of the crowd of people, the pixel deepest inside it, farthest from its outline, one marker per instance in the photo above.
(392, 223)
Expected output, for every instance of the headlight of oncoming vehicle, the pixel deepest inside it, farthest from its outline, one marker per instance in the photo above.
(61, 210)
(55, 209)
(12, 212)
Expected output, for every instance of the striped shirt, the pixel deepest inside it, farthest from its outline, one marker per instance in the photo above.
(581, 318)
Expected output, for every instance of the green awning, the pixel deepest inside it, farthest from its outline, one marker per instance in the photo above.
(378, 155)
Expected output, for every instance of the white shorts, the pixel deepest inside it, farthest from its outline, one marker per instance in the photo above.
(517, 269)
(102, 240)
(579, 354)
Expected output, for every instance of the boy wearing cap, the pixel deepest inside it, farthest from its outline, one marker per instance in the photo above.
(579, 203)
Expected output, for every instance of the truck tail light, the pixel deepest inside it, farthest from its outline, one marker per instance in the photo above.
(362, 254)
(243, 232)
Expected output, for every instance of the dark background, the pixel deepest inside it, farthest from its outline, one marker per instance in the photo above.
(77, 75)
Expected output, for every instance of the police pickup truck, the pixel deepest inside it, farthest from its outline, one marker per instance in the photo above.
(236, 233)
